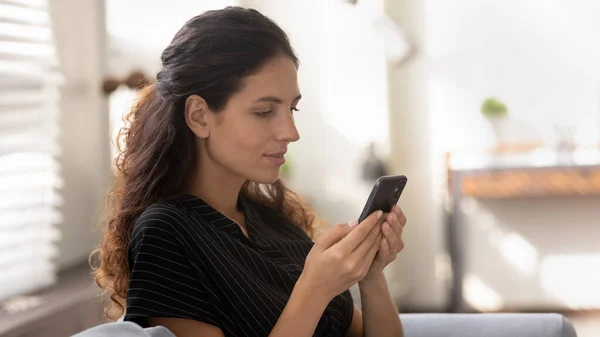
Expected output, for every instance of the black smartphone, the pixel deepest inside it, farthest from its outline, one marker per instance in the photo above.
(384, 195)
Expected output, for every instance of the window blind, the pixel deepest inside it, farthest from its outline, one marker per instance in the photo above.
(29, 129)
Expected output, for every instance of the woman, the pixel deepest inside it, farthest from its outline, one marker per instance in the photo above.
(203, 237)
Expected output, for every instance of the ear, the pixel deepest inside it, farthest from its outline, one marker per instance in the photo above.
(196, 113)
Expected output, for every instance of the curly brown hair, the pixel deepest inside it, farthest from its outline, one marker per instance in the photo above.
(209, 57)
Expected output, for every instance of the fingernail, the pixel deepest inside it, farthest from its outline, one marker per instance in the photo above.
(379, 214)
(352, 223)
(394, 216)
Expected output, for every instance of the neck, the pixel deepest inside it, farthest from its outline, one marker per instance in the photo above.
(217, 186)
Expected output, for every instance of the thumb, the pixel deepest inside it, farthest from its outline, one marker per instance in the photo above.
(334, 235)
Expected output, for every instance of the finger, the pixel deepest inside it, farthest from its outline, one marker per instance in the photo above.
(392, 219)
(370, 240)
(394, 222)
(400, 214)
(370, 254)
(332, 236)
(383, 251)
(400, 245)
(360, 232)
(390, 236)
(391, 216)
(384, 247)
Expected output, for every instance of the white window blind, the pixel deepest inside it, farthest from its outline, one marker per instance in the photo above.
(29, 130)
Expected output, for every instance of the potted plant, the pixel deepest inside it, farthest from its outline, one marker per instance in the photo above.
(496, 113)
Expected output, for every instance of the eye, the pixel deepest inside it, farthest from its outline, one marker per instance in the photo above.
(264, 114)
(294, 109)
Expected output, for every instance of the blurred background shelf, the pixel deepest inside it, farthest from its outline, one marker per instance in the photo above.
(537, 173)
(532, 182)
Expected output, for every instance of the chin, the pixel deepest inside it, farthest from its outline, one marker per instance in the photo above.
(272, 179)
(265, 177)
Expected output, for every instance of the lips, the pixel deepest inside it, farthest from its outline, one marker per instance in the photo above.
(277, 158)
(276, 154)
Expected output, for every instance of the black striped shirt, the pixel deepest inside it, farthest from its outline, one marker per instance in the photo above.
(187, 260)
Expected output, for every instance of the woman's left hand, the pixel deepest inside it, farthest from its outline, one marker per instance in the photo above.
(391, 242)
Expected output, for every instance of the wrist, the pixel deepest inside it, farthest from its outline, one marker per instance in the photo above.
(295, 320)
(373, 279)
(310, 293)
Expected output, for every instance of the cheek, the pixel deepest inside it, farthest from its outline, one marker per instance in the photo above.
(238, 147)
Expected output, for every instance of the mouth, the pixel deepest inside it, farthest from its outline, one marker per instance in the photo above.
(279, 154)
(277, 158)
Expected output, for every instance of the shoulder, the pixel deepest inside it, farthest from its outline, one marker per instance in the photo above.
(164, 218)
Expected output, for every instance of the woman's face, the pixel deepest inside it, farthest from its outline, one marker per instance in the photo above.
(249, 137)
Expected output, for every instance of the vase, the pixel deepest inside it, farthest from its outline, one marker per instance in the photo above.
(498, 125)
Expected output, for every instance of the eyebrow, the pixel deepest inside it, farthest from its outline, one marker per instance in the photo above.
(276, 99)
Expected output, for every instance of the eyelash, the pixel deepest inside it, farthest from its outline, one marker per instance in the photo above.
(270, 112)
(264, 114)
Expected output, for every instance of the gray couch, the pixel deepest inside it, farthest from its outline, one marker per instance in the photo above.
(487, 325)
(415, 325)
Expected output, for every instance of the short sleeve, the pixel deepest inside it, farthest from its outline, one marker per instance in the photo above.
(163, 282)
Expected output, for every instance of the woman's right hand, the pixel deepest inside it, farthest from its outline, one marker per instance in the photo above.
(342, 256)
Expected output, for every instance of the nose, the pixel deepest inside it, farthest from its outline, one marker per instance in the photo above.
(288, 131)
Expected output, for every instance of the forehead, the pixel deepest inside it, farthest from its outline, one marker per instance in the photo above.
(278, 77)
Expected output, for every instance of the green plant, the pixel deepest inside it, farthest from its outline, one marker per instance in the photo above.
(492, 107)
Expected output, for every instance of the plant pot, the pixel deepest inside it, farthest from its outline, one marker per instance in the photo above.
(498, 125)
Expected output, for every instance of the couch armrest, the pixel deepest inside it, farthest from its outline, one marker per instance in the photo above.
(124, 329)
(487, 325)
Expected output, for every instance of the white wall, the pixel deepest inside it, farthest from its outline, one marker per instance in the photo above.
(533, 253)
(423, 265)
(542, 58)
(80, 38)
(539, 57)
(139, 30)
